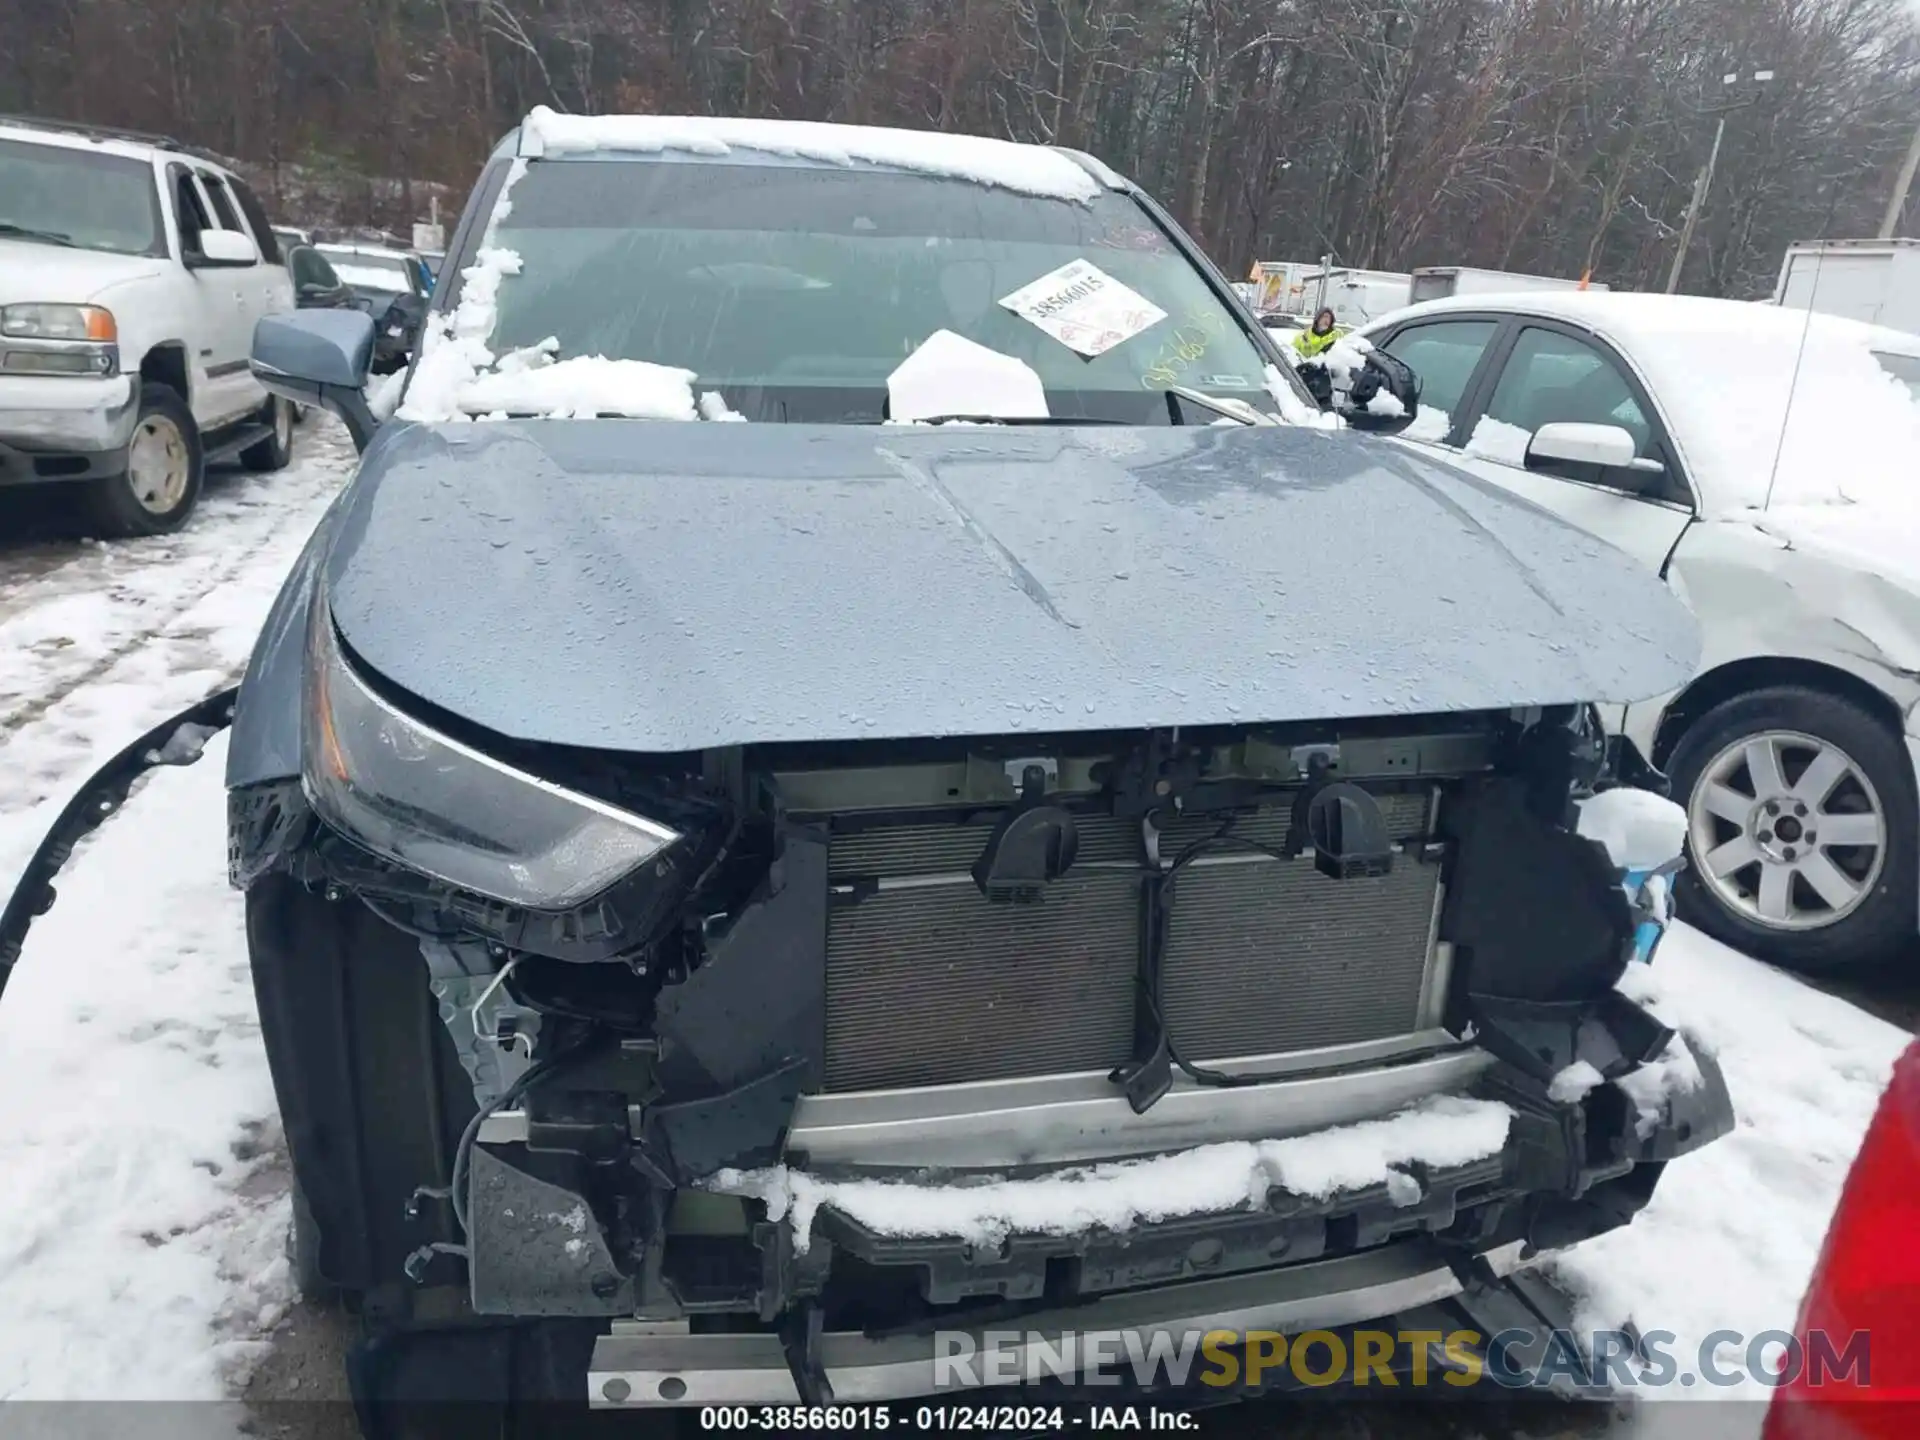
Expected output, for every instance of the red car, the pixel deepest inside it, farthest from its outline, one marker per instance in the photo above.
(1867, 1282)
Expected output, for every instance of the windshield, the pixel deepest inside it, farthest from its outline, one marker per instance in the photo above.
(796, 290)
(79, 198)
(387, 274)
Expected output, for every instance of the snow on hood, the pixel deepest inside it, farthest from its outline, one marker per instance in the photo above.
(1442, 1132)
(1029, 169)
(1779, 383)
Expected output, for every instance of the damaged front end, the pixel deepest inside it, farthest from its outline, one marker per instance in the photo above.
(849, 1043)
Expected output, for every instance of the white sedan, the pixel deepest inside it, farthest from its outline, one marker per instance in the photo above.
(1767, 462)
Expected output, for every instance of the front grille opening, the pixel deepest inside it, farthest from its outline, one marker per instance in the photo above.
(930, 984)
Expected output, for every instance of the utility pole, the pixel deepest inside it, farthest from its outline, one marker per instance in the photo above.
(1897, 204)
(1700, 184)
(1704, 181)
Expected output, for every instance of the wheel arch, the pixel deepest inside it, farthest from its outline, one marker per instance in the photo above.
(165, 363)
(1758, 672)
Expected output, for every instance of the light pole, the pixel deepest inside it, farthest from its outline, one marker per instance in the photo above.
(1725, 106)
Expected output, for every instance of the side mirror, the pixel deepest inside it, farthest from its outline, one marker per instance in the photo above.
(224, 249)
(321, 358)
(1383, 397)
(1609, 446)
(407, 311)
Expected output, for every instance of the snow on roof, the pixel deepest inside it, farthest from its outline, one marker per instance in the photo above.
(1030, 169)
(1446, 1130)
(51, 133)
(1741, 383)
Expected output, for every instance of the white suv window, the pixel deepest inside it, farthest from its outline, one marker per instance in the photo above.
(223, 210)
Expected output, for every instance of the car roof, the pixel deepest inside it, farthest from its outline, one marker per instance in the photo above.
(101, 140)
(1768, 405)
(1041, 170)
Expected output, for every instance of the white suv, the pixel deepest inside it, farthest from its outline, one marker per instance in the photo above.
(131, 274)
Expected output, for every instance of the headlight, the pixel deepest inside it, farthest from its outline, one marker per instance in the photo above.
(444, 809)
(58, 322)
(64, 340)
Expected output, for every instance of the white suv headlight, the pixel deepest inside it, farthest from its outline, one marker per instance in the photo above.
(439, 807)
(58, 322)
(63, 340)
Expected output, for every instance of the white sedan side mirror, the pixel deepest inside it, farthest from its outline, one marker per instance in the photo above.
(1583, 444)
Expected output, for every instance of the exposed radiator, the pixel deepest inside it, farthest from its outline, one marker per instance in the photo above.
(929, 984)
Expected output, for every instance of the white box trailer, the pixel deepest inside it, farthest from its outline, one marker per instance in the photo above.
(1873, 280)
(1294, 287)
(1356, 296)
(1277, 285)
(1439, 282)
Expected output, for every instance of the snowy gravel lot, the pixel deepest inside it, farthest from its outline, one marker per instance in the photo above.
(141, 1167)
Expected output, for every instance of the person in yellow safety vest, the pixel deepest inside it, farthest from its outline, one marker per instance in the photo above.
(1319, 339)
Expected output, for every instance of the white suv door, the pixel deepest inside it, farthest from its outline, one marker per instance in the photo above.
(266, 286)
(223, 387)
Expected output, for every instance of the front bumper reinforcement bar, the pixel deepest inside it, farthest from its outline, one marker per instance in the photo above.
(644, 1365)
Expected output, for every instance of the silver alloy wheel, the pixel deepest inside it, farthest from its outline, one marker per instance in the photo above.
(1787, 830)
(158, 464)
(282, 424)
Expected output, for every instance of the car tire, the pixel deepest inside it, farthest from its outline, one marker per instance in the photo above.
(166, 467)
(1770, 905)
(276, 450)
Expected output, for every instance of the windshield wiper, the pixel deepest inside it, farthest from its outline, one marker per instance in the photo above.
(1236, 410)
(27, 232)
(1016, 420)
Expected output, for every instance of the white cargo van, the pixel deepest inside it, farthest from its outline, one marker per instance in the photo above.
(1877, 281)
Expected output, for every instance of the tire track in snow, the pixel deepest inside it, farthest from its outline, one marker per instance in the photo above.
(63, 627)
(106, 647)
(147, 1198)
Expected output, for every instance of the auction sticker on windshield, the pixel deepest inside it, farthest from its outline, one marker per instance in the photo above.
(1084, 308)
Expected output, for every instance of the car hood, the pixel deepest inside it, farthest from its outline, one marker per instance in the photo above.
(669, 587)
(32, 271)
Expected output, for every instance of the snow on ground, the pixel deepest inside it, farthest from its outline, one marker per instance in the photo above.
(1733, 1230)
(119, 636)
(144, 1213)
